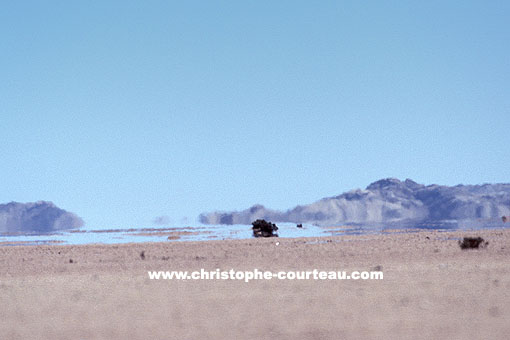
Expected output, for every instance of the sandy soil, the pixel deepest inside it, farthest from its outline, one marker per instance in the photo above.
(431, 290)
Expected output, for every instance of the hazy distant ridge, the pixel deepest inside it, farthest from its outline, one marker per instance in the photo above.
(37, 217)
(387, 201)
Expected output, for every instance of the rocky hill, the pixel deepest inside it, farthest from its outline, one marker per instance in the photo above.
(387, 201)
(37, 217)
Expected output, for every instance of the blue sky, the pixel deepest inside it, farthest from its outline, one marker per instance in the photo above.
(122, 111)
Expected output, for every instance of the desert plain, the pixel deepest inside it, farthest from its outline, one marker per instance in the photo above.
(432, 289)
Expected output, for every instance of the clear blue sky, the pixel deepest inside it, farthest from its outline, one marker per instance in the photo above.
(122, 111)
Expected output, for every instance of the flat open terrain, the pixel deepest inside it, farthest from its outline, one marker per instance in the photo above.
(431, 290)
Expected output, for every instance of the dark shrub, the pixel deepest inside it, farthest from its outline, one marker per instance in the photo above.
(262, 228)
(473, 243)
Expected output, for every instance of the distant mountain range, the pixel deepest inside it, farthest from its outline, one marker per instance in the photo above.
(37, 217)
(387, 201)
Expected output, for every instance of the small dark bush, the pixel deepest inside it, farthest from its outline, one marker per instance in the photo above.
(473, 243)
(262, 228)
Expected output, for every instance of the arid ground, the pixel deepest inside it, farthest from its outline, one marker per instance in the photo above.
(431, 289)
